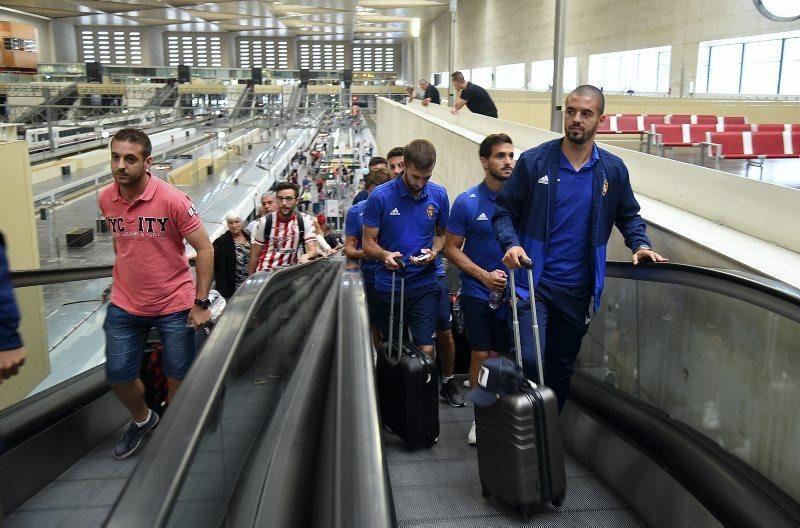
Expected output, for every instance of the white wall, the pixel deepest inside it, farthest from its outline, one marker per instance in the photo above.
(493, 32)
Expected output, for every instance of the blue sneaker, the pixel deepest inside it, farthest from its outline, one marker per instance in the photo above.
(133, 437)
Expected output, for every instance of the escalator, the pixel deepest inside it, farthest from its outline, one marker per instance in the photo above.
(54, 108)
(681, 414)
(244, 106)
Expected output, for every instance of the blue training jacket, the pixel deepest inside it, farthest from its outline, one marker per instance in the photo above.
(524, 209)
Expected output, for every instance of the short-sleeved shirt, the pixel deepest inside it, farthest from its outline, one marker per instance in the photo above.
(478, 100)
(406, 224)
(353, 225)
(151, 272)
(569, 257)
(471, 218)
(283, 240)
(432, 93)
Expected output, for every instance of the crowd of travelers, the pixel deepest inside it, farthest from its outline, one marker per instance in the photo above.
(554, 206)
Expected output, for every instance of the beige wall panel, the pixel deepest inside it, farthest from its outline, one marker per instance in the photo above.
(19, 228)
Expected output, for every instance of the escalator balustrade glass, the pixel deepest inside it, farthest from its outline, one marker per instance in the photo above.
(727, 367)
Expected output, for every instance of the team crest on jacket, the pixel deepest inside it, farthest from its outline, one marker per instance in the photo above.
(431, 211)
(605, 186)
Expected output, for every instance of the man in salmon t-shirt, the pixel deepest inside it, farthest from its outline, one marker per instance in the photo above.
(153, 286)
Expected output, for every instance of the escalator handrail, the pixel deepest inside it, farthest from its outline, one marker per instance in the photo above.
(769, 294)
(735, 493)
(40, 277)
(360, 493)
(152, 488)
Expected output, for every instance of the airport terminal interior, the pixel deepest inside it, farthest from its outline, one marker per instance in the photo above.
(683, 408)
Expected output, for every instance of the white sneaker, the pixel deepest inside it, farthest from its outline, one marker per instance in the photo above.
(471, 440)
(467, 383)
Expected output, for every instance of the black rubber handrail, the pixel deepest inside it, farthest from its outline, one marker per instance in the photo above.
(769, 294)
(36, 413)
(26, 278)
(154, 485)
(730, 489)
(735, 493)
(354, 489)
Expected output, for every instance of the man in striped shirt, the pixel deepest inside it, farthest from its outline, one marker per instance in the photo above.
(277, 237)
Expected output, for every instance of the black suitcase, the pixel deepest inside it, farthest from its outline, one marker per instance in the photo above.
(520, 456)
(408, 383)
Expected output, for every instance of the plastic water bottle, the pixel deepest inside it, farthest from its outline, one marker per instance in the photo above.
(495, 299)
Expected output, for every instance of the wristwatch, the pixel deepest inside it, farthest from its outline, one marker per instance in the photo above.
(643, 246)
(205, 304)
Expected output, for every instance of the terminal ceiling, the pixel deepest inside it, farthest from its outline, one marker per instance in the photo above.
(369, 21)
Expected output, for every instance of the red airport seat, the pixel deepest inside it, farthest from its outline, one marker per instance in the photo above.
(732, 120)
(680, 119)
(773, 127)
(733, 127)
(630, 124)
(654, 119)
(697, 133)
(702, 119)
(772, 145)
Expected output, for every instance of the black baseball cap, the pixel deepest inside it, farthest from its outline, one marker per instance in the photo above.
(497, 378)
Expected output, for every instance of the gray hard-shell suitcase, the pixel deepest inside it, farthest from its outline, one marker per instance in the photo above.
(520, 456)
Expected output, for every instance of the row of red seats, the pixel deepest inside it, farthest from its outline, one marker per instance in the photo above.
(693, 135)
(755, 147)
(640, 124)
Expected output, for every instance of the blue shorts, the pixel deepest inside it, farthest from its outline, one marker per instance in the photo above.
(486, 329)
(444, 316)
(420, 306)
(125, 342)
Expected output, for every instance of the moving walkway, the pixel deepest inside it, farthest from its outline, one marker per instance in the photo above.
(680, 415)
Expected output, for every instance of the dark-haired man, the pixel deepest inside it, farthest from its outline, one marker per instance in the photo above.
(472, 246)
(279, 236)
(558, 209)
(153, 287)
(473, 96)
(376, 162)
(406, 218)
(395, 159)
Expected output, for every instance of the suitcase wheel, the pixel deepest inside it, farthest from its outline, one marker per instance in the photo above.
(558, 501)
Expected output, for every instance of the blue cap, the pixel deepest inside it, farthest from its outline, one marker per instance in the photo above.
(497, 378)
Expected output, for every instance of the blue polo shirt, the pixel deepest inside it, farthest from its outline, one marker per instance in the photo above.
(568, 258)
(471, 218)
(406, 224)
(353, 223)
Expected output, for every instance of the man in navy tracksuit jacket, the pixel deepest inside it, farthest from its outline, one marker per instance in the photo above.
(557, 210)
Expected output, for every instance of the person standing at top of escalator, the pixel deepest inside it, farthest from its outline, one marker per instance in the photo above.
(12, 351)
(557, 210)
(152, 283)
(431, 94)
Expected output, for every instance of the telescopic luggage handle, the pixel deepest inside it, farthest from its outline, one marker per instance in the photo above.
(402, 266)
(528, 265)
